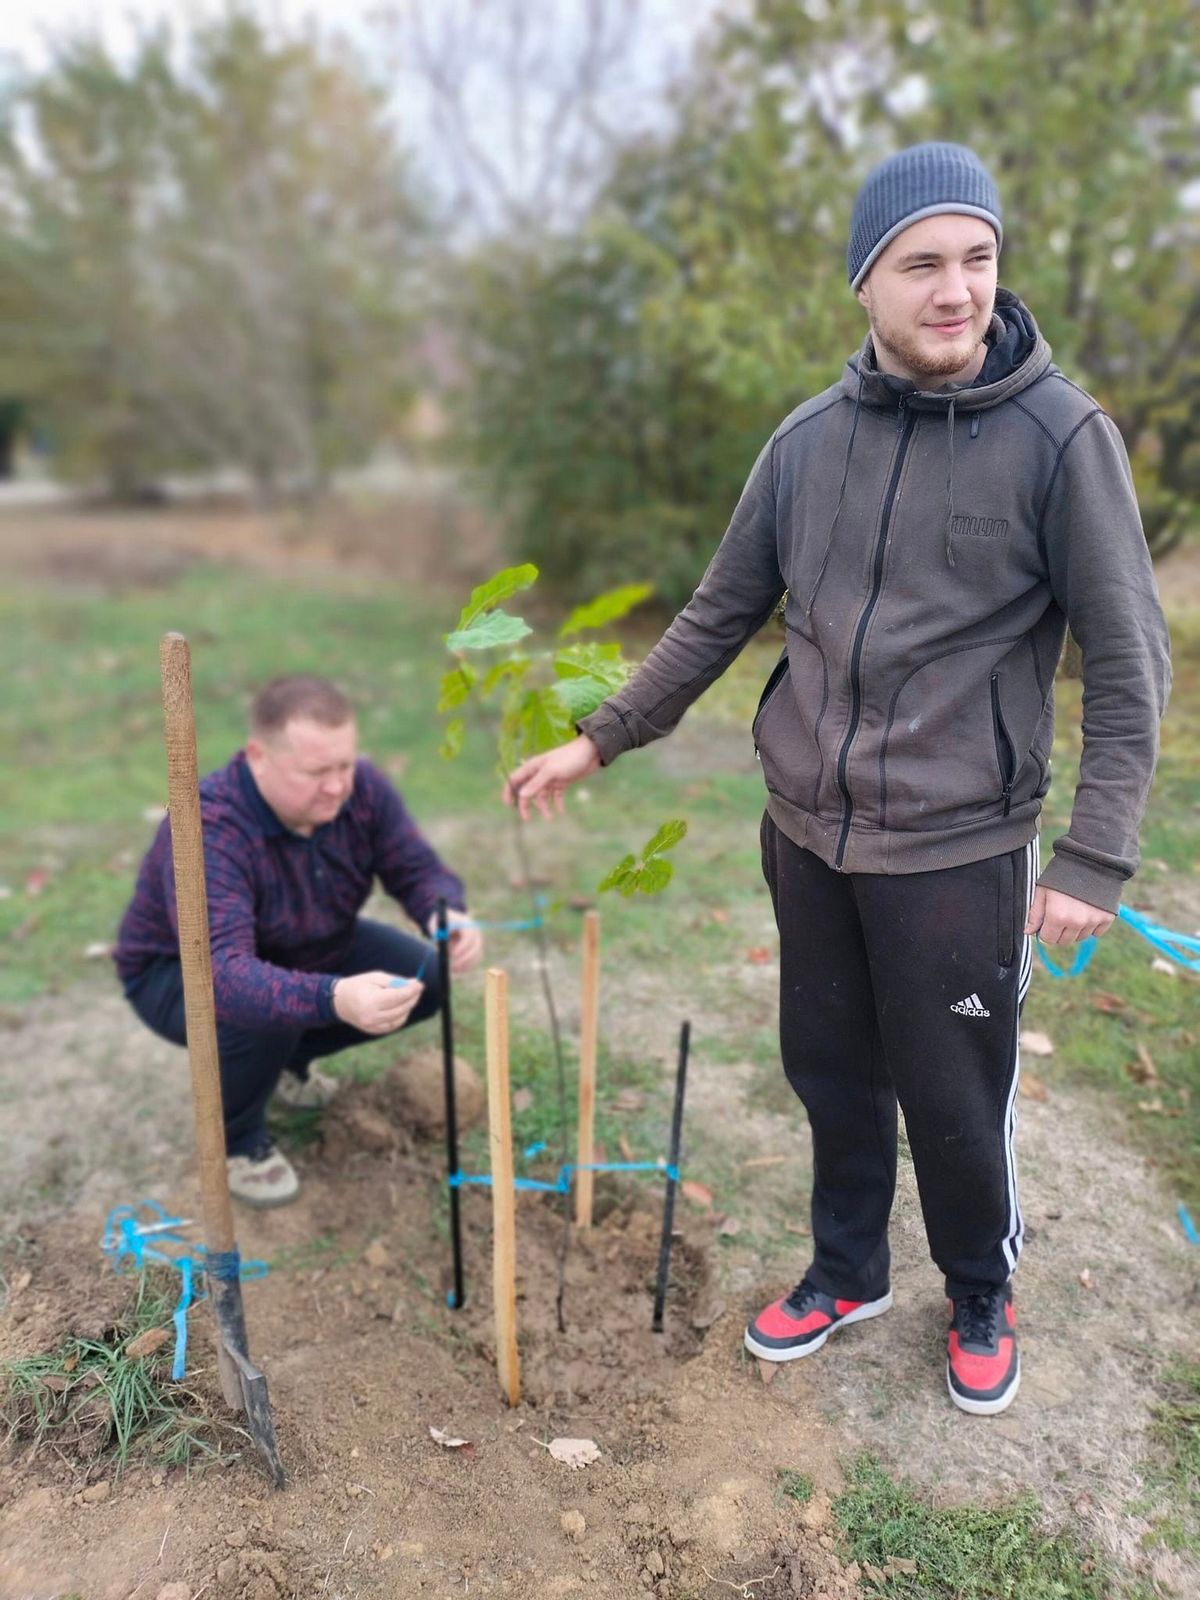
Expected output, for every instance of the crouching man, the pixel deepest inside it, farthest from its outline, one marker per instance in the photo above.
(296, 829)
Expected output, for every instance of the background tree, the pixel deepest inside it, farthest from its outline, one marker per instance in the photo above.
(208, 264)
(622, 380)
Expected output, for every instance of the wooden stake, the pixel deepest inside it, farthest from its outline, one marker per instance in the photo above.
(195, 956)
(504, 1221)
(588, 1030)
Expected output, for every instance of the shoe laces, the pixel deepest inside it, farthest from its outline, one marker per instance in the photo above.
(978, 1318)
(801, 1297)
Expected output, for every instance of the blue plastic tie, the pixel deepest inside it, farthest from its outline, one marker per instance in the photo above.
(1165, 939)
(562, 1184)
(1189, 1227)
(125, 1238)
(532, 1150)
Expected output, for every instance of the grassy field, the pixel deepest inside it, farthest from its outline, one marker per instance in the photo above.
(83, 782)
(84, 773)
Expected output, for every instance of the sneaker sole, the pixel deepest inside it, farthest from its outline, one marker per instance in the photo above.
(985, 1408)
(869, 1309)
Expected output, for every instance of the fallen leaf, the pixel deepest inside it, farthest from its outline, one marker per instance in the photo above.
(36, 881)
(902, 1564)
(764, 1161)
(1110, 1003)
(440, 1436)
(21, 1281)
(146, 1343)
(1143, 1069)
(97, 951)
(1085, 1278)
(730, 1228)
(1155, 1106)
(574, 1453)
(522, 1100)
(698, 1193)
(55, 1382)
(759, 955)
(1037, 1044)
(1168, 968)
(874, 1573)
(624, 1146)
(70, 1363)
(767, 1371)
(375, 1255)
(1032, 1088)
(797, 1228)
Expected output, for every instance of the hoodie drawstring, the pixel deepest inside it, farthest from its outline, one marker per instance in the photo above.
(812, 595)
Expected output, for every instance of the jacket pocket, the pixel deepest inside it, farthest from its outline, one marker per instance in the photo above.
(787, 726)
(778, 673)
(1006, 755)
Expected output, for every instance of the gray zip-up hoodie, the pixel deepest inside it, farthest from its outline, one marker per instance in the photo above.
(933, 547)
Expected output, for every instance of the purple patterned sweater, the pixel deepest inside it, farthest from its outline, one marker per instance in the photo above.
(281, 907)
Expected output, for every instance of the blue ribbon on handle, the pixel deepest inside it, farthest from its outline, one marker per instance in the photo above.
(128, 1241)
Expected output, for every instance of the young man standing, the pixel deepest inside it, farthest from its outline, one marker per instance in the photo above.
(296, 829)
(937, 517)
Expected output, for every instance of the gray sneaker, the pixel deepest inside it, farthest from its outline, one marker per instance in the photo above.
(266, 1178)
(313, 1093)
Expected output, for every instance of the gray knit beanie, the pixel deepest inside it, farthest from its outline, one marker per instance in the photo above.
(923, 181)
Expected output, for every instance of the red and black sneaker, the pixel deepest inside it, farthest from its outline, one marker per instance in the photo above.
(983, 1369)
(801, 1324)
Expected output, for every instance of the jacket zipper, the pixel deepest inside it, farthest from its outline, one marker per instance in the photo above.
(908, 423)
(1006, 755)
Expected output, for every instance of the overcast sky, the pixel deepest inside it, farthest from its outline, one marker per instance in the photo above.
(662, 42)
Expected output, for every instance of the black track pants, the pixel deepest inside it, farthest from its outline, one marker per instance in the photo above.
(905, 986)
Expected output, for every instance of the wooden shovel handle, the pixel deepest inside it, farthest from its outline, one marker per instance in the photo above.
(195, 954)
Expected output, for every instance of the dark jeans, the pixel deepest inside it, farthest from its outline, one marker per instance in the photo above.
(905, 987)
(252, 1060)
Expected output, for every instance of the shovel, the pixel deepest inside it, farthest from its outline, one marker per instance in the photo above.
(243, 1385)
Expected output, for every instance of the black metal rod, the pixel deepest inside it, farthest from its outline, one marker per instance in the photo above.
(458, 1295)
(664, 1249)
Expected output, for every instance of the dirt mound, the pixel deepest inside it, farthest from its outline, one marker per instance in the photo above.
(364, 1359)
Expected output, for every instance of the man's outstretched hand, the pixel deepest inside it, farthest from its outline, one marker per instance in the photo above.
(1059, 918)
(543, 780)
(375, 1002)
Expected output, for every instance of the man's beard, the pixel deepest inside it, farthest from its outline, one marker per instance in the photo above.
(916, 359)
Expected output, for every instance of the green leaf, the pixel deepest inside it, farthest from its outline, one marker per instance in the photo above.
(487, 631)
(501, 587)
(605, 608)
(452, 743)
(515, 668)
(667, 837)
(456, 686)
(654, 876)
(620, 874)
(543, 722)
(580, 697)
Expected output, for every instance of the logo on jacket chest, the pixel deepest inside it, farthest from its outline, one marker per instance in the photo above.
(980, 527)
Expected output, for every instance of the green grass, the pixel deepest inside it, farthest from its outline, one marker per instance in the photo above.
(797, 1486)
(909, 1549)
(1175, 1469)
(89, 1400)
(80, 724)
